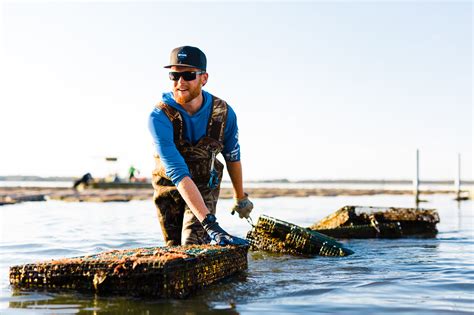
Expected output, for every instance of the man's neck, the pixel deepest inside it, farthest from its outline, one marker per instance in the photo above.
(194, 105)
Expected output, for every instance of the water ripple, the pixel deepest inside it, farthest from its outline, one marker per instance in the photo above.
(403, 276)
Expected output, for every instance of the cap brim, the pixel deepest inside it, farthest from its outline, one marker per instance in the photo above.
(180, 65)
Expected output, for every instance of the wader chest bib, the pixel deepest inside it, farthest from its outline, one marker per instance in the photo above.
(178, 224)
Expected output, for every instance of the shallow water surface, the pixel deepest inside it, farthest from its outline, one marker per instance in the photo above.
(411, 276)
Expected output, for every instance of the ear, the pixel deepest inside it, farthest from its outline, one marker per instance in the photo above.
(204, 78)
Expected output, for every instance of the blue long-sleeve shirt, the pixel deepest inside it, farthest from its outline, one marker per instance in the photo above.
(195, 127)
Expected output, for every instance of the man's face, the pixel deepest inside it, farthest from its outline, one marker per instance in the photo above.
(185, 91)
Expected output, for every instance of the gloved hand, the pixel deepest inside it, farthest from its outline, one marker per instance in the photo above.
(242, 206)
(218, 234)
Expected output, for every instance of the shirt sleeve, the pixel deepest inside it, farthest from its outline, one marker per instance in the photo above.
(161, 130)
(231, 151)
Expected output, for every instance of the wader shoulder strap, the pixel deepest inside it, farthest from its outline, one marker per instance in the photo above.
(217, 121)
(176, 119)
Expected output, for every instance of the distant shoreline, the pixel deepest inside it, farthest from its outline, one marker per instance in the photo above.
(263, 181)
(12, 195)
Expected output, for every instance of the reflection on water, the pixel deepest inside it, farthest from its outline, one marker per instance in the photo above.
(405, 276)
(73, 303)
(24, 183)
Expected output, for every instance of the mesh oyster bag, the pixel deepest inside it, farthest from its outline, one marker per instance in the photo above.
(383, 222)
(270, 234)
(152, 271)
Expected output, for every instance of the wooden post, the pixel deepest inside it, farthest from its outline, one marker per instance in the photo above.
(416, 180)
(457, 181)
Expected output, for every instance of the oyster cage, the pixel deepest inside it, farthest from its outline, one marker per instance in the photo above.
(270, 234)
(173, 271)
(381, 222)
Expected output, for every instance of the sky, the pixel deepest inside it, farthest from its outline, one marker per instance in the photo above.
(322, 90)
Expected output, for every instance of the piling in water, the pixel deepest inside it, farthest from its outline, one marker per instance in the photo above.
(382, 222)
(270, 234)
(154, 271)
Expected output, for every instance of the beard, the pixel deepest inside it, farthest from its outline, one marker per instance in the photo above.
(183, 98)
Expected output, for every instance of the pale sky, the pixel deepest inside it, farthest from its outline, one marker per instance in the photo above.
(322, 90)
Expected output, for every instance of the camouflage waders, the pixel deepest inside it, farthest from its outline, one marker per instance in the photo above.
(178, 223)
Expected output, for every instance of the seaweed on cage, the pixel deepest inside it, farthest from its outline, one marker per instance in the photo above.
(378, 222)
(270, 234)
(153, 271)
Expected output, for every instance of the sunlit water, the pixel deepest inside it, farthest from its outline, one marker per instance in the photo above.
(411, 276)
(228, 184)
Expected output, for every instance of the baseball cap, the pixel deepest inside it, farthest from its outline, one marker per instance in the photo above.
(188, 56)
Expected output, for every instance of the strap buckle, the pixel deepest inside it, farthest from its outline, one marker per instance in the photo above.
(214, 177)
(213, 180)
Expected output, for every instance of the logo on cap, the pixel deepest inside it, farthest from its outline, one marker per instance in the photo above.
(182, 55)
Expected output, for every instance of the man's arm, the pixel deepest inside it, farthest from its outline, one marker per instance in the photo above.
(191, 195)
(235, 173)
(242, 205)
(193, 198)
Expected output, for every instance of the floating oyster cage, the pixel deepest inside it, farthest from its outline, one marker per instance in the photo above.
(382, 222)
(270, 234)
(153, 271)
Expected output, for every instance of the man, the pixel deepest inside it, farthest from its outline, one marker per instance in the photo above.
(189, 128)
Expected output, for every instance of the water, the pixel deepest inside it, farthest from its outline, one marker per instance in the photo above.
(422, 276)
(228, 184)
(26, 183)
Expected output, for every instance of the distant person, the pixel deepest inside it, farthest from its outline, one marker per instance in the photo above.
(132, 174)
(116, 179)
(85, 180)
(189, 128)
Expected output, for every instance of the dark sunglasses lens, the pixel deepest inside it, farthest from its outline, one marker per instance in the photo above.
(174, 76)
(187, 76)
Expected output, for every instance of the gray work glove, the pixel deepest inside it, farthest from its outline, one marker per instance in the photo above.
(242, 206)
(220, 236)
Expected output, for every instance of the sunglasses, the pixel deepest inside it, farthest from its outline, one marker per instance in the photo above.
(186, 75)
